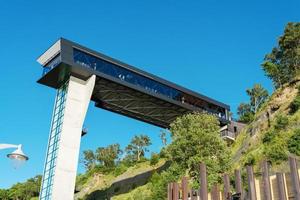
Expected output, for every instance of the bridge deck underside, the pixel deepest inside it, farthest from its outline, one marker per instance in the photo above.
(135, 104)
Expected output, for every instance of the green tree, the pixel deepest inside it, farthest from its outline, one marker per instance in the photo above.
(89, 159)
(108, 156)
(138, 146)
(196, 139)
(25, 190)
(283, 63)
(245, 113)
(258, 96)
(4, 195)
(154, 159)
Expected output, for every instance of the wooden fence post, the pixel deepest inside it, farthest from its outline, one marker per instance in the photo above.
(295, 178)
(175, 191)
(215, 194)
(251, 183)
(203, 182)
(281, 186)
(227, 194)
(184, 186)
(266, 181)
(170, 192)
(238, 182)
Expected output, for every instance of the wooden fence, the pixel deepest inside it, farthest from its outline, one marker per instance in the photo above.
(280, 186)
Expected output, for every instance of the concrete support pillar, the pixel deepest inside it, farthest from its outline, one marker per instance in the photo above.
(64, 172)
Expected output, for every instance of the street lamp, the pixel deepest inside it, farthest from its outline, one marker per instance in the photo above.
(17, 157)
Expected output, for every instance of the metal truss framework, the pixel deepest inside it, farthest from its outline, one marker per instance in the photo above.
(123, 100)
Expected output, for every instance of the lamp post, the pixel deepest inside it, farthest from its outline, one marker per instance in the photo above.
(18, 155)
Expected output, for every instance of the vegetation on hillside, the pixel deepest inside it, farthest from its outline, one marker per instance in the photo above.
(22, 191)
(274, 131)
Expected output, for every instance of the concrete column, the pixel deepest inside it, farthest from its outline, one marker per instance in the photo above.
(77, 101)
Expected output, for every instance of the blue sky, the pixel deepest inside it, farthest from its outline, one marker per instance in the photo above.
(212, 47)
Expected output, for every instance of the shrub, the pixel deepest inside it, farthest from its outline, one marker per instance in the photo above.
(281, 122)
(294, 143)
(154, 159)
(276, 151)
(120, 169)
(249, 159)
(295, 105)
(268, 137)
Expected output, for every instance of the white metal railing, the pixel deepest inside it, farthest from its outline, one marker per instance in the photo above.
(228, 134)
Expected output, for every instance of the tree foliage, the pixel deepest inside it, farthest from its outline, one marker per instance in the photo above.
(22, 191)
(196, 139)
(282, 65)
(258, 95)
(138, 146)
(245, 113)
(107, 156)
(89, 159)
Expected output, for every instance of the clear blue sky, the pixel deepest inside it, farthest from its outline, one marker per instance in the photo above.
(212, 47)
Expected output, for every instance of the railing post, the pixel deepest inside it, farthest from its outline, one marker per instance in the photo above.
(215, 194)
(238, 183)
(266, 181)
(170, 197)
(203, 182)
(280, 186)
(295, 177)
(251, 183)
(184, 186)
(227, 194)
(175, 191)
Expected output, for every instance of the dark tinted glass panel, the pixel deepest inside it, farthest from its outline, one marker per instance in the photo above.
(143, 82)
(53, 63)
(124, 75)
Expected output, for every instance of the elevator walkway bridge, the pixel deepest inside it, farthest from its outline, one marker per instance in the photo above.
(125, 89)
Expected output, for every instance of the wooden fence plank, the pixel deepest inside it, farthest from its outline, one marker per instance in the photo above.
(266, 181)
(281, 186)
(295, 177)
(184, 186)
(226, 194)
(175, 191)
(215, 194)
(238, 182)
(170, 197)
(203, 182)
(251, 183)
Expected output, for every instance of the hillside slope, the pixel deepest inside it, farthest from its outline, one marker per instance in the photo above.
(100, 186)
(267, 137)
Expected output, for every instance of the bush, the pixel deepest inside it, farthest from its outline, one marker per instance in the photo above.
(154, 159)
(159, 182)
(120, 169)
(294, 143)
(281, 122)
(295, 105)
(268, 137)
(249, 159)
(276, 152)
